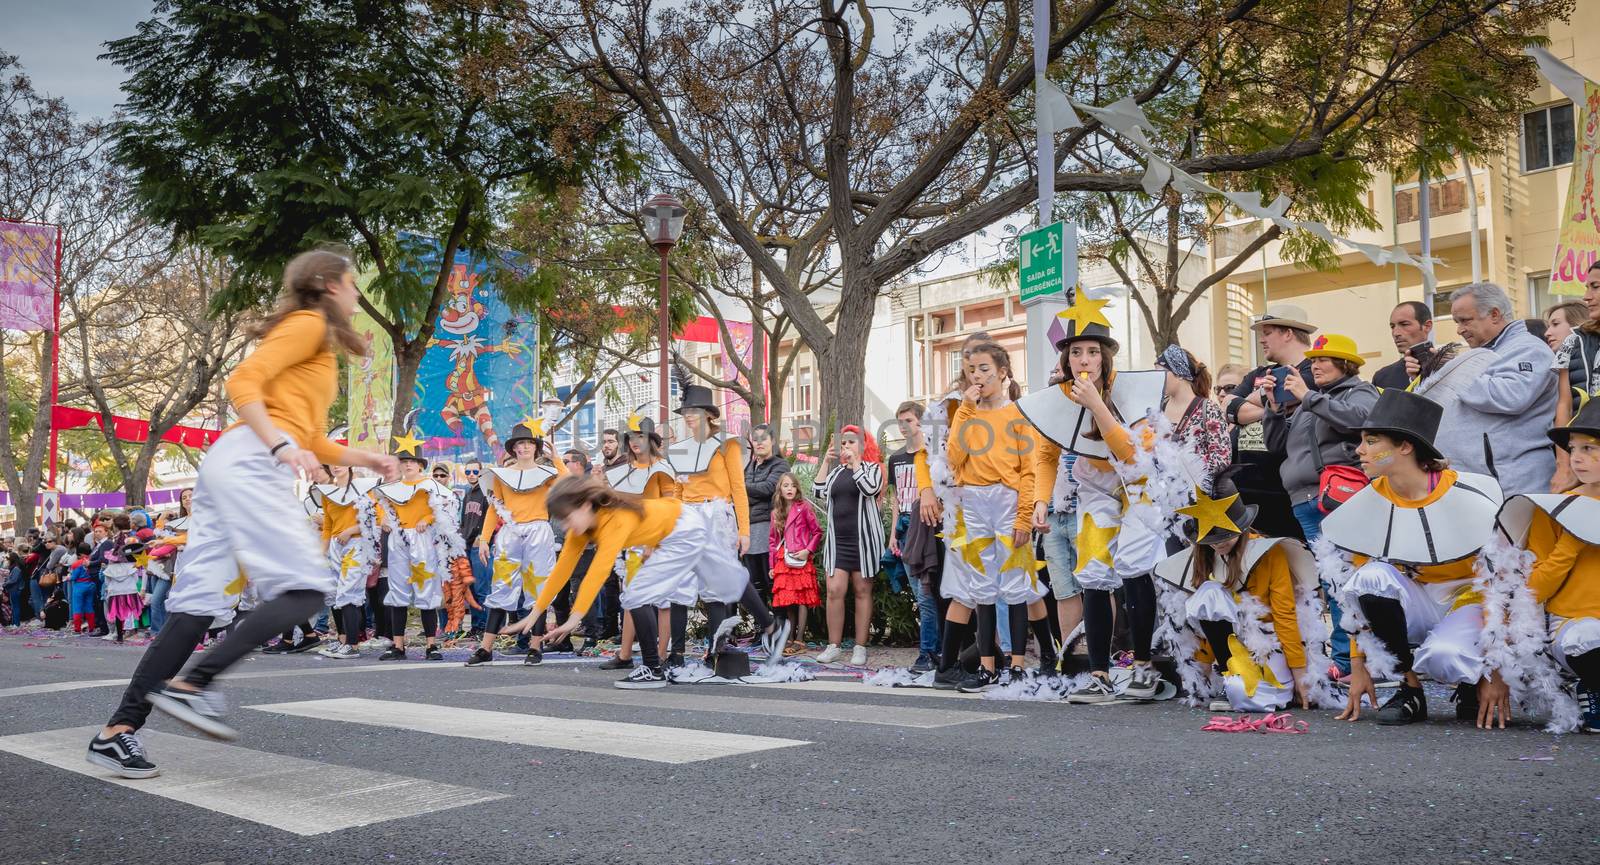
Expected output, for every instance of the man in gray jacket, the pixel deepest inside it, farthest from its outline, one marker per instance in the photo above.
(1504, 413)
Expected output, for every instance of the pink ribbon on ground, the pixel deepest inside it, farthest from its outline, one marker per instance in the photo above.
(1271, 722)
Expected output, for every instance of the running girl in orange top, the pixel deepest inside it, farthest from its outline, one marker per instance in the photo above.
(248, 522)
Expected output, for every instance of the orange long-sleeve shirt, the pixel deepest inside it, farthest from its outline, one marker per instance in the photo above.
(1048, 461)
(296, 375)
(527, 506)
(661, 485)
(1272, 583)
(615, 530)
(410, 514)
(722, 479)
(995, 446)
(336, 518)
(1566, 574)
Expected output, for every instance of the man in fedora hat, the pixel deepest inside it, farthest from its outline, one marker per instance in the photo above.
(1259, 440)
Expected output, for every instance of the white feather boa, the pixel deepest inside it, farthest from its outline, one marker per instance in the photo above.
(1309, 611)
(1514, 635)
(446, 531)
(1178, 635)
(944, 479)
(1335, 568)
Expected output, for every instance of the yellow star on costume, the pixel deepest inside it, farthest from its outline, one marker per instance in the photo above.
(419, 575)
(1245, 667)
(531, 582)
(1211, 513)
(1021, 557)
(504, 571)
(407, 444)
(1094, 542)
(535, 426)
(631, 565)
(141, 560)
(237, 586)
(972, 552)
(1084, 312)
(349, 561)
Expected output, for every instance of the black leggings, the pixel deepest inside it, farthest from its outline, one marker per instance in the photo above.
(1388, 622)
(1217, 634)
(382, 624)
(430, 622)
(645, 629)
(175, 644)
(717, 611)
(1139, 595)
(1587, 666)
(351, 619)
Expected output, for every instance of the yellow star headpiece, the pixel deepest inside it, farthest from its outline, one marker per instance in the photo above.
(407, 445)
(1084, 311)
(535, 426)
(1211, 513)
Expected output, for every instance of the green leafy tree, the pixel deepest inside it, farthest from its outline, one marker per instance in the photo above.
(263, 127)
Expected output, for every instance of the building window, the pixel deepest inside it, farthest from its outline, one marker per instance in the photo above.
(1547, 137)
(1444, 198)
(803, 403)
(1539, 297)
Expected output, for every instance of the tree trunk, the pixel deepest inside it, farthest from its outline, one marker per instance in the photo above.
(406, 364)
(842, 366)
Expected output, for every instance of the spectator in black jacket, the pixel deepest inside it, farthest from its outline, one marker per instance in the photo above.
(474, 507)
(761, 478)
(1410, 325)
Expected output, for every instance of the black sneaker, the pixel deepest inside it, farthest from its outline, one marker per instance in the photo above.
(432, 653)
(923, 664)
(279, 648)
(1466, 700)
(393, 653)
(947, 680)
(122, 754)
(977, 682)
(1589, 702)
(480, 656)
(1097, 690)
(616, 662)
(643, 678)
(674, 661)
(202, 710)
(306, 644)
(1049, 668)
(534, 658)
(1408, 706)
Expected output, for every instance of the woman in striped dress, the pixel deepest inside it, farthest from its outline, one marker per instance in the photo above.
(848, 483)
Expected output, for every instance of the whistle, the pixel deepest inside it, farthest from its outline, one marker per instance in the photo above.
(1084, 375)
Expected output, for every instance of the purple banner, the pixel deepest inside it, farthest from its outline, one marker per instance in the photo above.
(27, 276)
(99, 501)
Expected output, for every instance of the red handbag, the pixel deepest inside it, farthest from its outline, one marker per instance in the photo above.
(1337, 484)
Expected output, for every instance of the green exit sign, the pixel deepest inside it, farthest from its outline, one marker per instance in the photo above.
(1048, 261)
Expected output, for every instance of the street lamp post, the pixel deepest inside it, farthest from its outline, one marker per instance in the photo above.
(663, 225)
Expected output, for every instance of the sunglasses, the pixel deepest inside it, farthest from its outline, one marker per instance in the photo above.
(1223, 389)
(472, 471)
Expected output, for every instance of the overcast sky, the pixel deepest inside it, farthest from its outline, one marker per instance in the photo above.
(58, 42)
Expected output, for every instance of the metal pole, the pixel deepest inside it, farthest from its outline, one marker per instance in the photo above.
(1044, 135)
(55, 359)
(1427, 239)
(664, 335)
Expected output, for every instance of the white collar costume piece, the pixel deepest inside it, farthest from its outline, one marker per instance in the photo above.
(1575, 512)
(1452, 528)
(346, 494)
(176, 525)
(1177, 568)
(515, 479)
(690, 457)
(629, 478)
(401, 492)
(1059, 419)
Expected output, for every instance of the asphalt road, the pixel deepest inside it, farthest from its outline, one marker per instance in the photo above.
(833, 772)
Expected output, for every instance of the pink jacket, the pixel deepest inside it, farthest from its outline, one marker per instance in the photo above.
(799, 532)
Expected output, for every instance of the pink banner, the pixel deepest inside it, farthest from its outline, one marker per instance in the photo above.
(27, 276)
(735, 411)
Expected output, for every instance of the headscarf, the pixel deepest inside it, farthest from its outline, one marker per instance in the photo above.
(1176, 361)
(869, 445)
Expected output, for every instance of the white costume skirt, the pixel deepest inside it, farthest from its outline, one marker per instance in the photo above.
(722, 524)
(248, 527)
(687, 564)
(1570, 638)
(416, 570)
(351, 563)
(975, 562)
(1250, 685)
(525, 554)
(1443, 619)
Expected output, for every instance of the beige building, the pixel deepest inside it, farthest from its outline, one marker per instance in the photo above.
(1519, 195)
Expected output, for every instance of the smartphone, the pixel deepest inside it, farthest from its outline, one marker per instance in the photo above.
(1280, 394)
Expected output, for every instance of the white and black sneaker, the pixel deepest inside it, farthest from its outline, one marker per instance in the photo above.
(123, 754)
(977, 682)
(642, 678)
(202, 710)
(1143, 683)
(1097, 690)
(342, 652)
(773, 641)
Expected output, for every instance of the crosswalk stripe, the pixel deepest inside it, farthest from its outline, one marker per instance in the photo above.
(637, 741)
(334, 668)
(300, 796)
(854, 713)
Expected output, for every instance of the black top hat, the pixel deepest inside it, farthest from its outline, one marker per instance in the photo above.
(1587, 422)
(1093, 330)
(700, 397)
(519, 433)
(1243, 515)
(1408, 416)
(407, 447)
